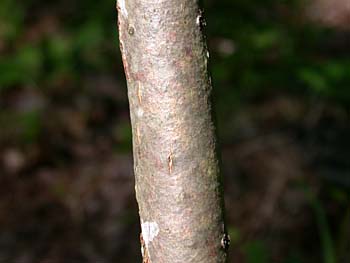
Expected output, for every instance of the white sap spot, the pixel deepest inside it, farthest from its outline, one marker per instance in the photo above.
(122, 7)
(142, 251)
(149, 231)
(198, 20)
(139, 112)
(208, 54)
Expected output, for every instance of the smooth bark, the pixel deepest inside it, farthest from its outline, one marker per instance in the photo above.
(175, 161)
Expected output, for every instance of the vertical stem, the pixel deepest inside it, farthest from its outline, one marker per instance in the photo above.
(175, 160)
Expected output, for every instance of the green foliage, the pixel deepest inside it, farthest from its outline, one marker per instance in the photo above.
(59, 54)
(122, 134)
(313, 79)
(329, 78)
(234, 234)
(323, 226)
(90, 37)
(256, 252)
(293, 259)
(23, 127)
(21, 68)
(275, 51)
(77, 45)
(11, 20)
(31, 125)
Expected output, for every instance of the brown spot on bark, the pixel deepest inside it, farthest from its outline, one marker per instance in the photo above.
(131, 30)
(172, 36)
(170, 161)
(138, 135)
(144, 251)
(188, 51)
(125, 61)
(140, 76)
(139, 95)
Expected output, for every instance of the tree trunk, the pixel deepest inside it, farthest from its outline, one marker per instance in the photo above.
(175, 161)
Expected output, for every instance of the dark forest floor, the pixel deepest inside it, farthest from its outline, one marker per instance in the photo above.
(68, 195)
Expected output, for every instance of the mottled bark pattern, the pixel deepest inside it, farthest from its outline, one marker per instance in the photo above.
(175, 163)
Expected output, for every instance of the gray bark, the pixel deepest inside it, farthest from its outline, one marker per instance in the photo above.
(175, 161)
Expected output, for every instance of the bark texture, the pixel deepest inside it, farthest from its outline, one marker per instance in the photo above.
(175, 161)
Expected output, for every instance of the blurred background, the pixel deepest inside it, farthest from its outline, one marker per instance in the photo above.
(281, 75)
